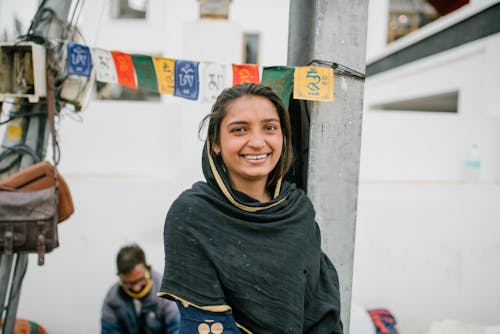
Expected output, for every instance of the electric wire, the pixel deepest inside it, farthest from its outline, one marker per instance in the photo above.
(99, 22)
(18, 114)
(19, 150)
(75, 16)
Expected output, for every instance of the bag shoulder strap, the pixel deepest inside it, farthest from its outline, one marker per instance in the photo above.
(51, 111)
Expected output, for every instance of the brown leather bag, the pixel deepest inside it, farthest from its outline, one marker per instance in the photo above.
(30, 210)
(28, 222)
(41, 176)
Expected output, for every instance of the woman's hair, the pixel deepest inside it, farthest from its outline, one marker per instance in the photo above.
(219, 110)
(128, 257)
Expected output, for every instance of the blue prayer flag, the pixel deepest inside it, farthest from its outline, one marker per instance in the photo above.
(79, 60)
(186, 79)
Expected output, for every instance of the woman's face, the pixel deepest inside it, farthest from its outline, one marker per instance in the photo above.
(251, 140)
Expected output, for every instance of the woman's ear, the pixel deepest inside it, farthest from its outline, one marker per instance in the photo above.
(216, 149)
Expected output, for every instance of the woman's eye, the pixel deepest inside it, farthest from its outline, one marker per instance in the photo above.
(238, 130)
(270, 127)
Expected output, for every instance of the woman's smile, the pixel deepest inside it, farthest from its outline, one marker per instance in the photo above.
(256, 158)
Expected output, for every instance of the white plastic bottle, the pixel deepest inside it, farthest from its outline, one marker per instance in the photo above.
(472, 165)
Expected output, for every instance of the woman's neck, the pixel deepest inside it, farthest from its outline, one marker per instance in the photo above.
(254, 189)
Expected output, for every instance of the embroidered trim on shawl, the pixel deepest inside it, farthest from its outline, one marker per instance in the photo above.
(243, 328)
(185, 303)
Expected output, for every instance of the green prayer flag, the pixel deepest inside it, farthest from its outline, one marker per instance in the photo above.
(145, 72)
(280, 79)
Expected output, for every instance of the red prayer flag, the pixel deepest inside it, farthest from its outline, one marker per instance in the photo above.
(244, 73)
(124, 69)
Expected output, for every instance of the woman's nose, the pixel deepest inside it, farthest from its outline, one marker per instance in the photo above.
(256, 140)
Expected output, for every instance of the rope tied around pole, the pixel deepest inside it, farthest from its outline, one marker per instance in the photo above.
(339, 69)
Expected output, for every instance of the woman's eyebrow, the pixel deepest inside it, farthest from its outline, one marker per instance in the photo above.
(237, 122)
(271, 120)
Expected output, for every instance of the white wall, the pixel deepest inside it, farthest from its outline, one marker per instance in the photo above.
(376, 35)
(429, 251)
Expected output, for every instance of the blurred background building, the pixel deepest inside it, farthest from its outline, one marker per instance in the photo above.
(428, 239)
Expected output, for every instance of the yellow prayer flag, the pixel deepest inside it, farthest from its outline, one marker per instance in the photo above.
(313, 83)
(164, 68)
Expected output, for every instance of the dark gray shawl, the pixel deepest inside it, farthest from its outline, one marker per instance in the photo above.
(263, 260)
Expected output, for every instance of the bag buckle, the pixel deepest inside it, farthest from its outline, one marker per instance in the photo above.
(41, 243)
(8, 238)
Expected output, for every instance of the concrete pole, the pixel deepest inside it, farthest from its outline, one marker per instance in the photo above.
(53, 29)
(335, 31)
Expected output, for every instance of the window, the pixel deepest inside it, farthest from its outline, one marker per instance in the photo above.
(408, 16)
(214, 9)
(107, 91)
(444, 102)
(129, 9)
(251, 48)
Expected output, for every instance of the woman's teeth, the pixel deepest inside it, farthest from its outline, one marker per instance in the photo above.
(255, 157)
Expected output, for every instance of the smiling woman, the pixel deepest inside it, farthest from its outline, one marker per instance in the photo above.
(242, 250)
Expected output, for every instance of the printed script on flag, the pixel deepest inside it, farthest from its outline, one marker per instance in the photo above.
(145, 72)
(280, 79)
(124, 69)
(245, 73)
(313, 83)
(165, 72)
(79, 60)
(104, 66)
(212, 80)
(186, 79)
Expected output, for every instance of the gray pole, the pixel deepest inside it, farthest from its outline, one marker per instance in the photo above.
(334, 31)
(53, 29)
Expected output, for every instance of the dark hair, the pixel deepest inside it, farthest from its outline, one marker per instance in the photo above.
(219, 110)
(128, 257)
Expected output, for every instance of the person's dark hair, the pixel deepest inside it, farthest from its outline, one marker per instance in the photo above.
(219, 109)
(128, 257)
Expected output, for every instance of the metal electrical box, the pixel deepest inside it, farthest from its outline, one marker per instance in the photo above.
(22, 71)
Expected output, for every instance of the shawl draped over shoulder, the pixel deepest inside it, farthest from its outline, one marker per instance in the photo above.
(263, 261)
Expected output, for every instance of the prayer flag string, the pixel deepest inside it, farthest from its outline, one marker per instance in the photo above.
(202, 81)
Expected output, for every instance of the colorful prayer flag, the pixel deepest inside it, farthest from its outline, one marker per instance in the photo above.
(280, 79)
(186, 79)
(313, 83)
(104, 66)
(145, 72)
(243, 73)
(124, 69)
(212, 80)
(165, 72)
(78, 59)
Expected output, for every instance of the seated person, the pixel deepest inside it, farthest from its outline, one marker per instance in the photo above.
(131, 305)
